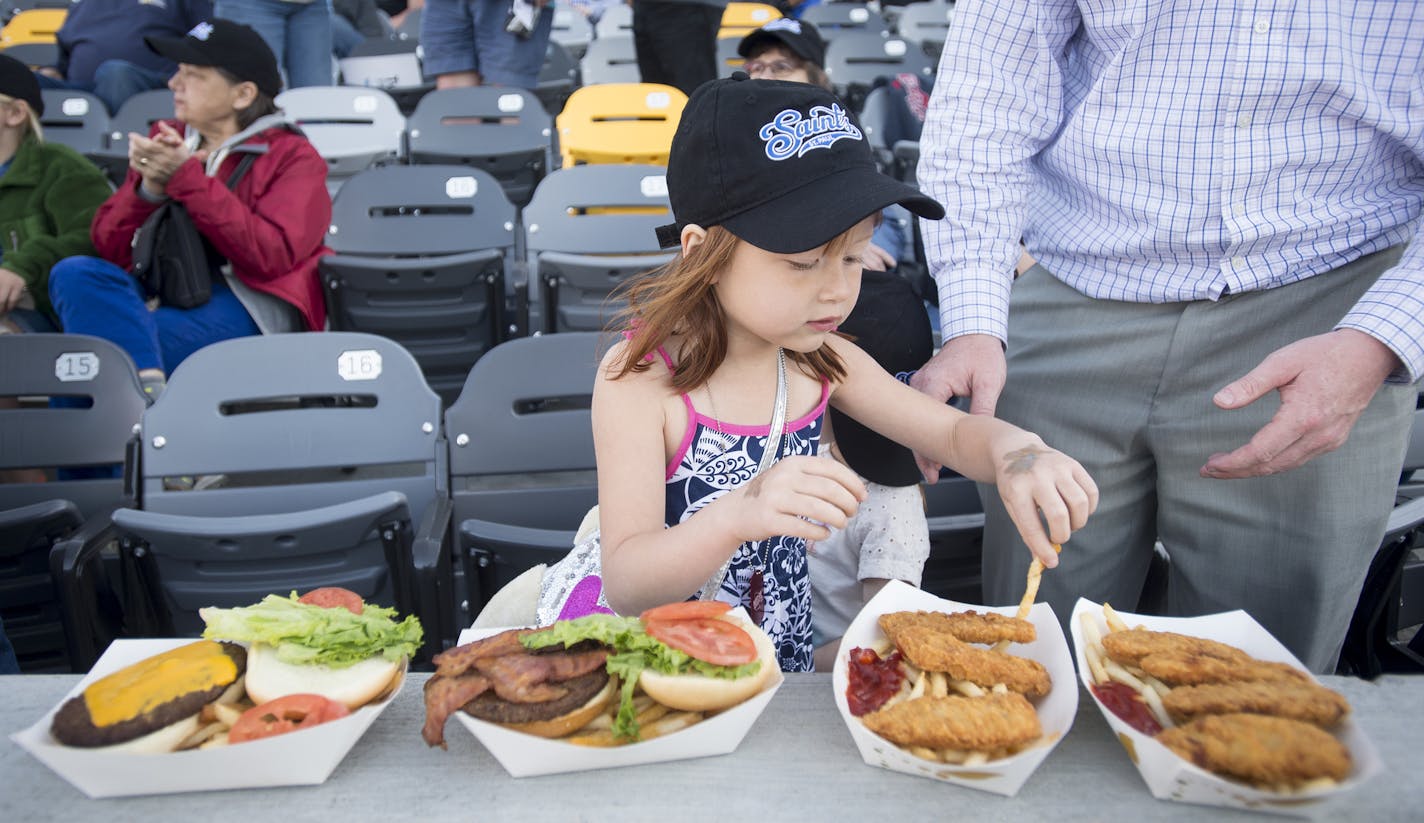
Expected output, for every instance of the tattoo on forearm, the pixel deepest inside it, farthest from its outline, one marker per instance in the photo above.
(1021, 461)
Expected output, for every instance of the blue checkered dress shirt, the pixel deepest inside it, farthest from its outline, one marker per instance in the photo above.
(1169, 150)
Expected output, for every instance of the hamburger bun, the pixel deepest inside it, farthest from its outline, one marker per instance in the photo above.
(570, 722)
(700, 693)
(269, 678)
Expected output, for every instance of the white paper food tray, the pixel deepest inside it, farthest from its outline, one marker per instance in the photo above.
(1006, 776)
(525, 755)
(1169, 777)
(299, 758)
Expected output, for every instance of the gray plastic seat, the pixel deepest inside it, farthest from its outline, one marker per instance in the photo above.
(521, 457)
(854, 61)
(617, 21)
(137, 114)
(586, 235)
(390, 65)
(76, 119)
(422, 253)
(82, 444)
(558, 78)
(926, 24)
(728, 61)
(34, 55)
(352, 128)
(610, 59)
(834, 20)
(503, 131)
(288, 462)
(571, 30)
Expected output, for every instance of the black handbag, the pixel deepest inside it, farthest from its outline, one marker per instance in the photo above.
(172, 259)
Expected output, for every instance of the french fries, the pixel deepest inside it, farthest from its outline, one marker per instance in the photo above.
(654, 720)
(217, 717)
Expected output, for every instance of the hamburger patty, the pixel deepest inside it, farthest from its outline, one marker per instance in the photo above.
(490, 706)
(73, 726)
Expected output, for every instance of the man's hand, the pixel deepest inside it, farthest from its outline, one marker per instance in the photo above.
(969, 366)
(878, 259)
(12, 288)
(1325, 382)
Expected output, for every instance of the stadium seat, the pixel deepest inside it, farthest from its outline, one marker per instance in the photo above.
(521, 458)
(352, 128)
(956, 524)
(588, 229)
(855, 60)
(76, 119)
(610, 60)
(835, 20)
(740, 18)
(617, 21)
(619, 123)
(79, 441)
(728, 60)
(557, 79)
(410, 26)
(34, 55)
(137, 114)
(571, 30)
(907, 160)
(503, 131)
(926, 24)
(421, 257)
(391, 65)
(874, 119)
(33, 26)
(286, 462)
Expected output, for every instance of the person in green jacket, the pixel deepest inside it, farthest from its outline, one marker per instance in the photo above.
(48, 195)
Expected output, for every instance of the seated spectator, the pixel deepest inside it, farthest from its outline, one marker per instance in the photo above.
(48, 194)
(101, 46)
(888, 538)
(353, 22)
(469, 43)
(265, 237)
(297, 31)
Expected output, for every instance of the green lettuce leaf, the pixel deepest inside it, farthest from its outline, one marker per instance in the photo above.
(303, 633)
(633, 651)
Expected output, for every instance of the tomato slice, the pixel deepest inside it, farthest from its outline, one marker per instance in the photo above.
(708, 639)
(285, 714)
(686, 609)
(334, 597)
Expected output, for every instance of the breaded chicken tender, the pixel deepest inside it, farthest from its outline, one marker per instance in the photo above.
(969, 626)
(1180, 668)
(1129, 647)
(1259, 749)
(1305, 701)
(986, 723)
(938, 652)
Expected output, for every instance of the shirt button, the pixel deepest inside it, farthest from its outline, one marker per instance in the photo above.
(1262, 26)
(1243, 121)
(1238, 262)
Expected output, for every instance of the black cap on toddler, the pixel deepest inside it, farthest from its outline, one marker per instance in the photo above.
(783, 166)
(237, 49)
(797, 35)
(17, 81)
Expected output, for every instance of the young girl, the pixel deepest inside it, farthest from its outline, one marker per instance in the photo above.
(775, 195)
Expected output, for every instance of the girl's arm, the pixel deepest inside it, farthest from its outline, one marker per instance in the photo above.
(646, 564)
(1032, 478)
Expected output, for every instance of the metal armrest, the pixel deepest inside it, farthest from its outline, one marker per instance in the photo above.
(432, 581)
(483, 541)
(22, 526)
(340, 524)
(69, 561)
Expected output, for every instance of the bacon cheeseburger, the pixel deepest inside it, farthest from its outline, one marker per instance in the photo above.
(691, 658)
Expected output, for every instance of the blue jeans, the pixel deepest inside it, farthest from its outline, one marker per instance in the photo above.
(8, 663)
(344, 36)
(298, 33)
(469, 35)
(93, 296)
(114, 82)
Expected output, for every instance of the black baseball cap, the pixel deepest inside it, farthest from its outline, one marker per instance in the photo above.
(890, 323)
(783, 166)
(223, 44)
(797, 35)
(17, 81)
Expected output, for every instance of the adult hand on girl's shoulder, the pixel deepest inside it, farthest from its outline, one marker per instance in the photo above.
(797, 497)
(12, 288)
(972, 366)
(1039, 486)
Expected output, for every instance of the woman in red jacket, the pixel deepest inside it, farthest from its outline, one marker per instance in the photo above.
(264, 237)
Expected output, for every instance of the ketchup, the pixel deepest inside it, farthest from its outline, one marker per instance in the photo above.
(872, 680)
(1124, 702)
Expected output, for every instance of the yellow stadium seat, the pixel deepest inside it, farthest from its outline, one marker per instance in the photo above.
(32, 26)
(619, 123)
(740, 18)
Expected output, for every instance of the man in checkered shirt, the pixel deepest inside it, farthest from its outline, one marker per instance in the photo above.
(1225, 324)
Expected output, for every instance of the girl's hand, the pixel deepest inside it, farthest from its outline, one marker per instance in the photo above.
(1034, 479)
(794, 498)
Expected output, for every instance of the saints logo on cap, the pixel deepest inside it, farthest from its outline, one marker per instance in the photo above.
(202, 31)
(783, 24)
(791, 135)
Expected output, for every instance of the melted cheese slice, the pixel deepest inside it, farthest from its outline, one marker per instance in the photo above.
(149, 683)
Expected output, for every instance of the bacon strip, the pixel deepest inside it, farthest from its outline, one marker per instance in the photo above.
(443, 697)
(457, 661)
